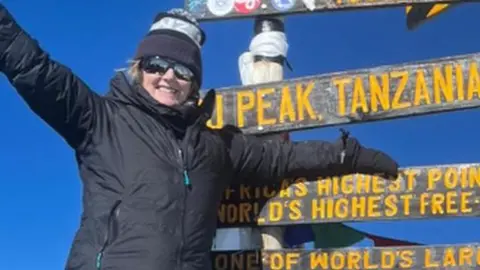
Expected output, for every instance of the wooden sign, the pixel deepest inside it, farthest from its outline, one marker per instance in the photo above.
(418, 193)
(420, 13)
(458, 256)
(380, 93)
(206, 10)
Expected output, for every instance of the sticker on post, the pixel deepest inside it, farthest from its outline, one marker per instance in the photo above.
(247, 6)
(283, 5)
(309, 4)
(220, 7)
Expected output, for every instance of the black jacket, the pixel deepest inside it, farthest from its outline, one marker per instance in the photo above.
(152, 178)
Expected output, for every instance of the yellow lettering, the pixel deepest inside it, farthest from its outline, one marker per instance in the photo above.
(459, 81)
(450, 203)
(324, 186)
(421, 90)
(474, 177)
(443, 84)
(451, 180)
(267, 194)
(243, 107)
(337, 260)
(406, 198)
(363, 183)
(395, 186)
(342, 99)
(391, 205)
(347, 184)
(319, 260)
(318, 209)
(341, 208)
(387, 259)
(465, 201)
(295, 212)
(238, 213)
(353, 260)
(286, 106)
(473, 81)
(359, 101)
(465, 256)
(262, 104)
(378, 185)
(449, 257)
(301, 189)
(291, 260)
(379, 94)
(276, 261)
(367, 264)
(434, 175)
(411, 174)
(275, 211)
(219, 123)
(406, 258)
(396, 103)
(303, 102)
(359, 207)
(373, 205)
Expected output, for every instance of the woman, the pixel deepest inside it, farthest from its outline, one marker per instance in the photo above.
(153, 172)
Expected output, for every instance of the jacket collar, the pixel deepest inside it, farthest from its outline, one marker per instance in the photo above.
(125, 90)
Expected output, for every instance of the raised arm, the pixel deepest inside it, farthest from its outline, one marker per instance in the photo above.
(256, 159)
(50, 89)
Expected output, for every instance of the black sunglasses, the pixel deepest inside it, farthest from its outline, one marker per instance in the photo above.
(161, 65)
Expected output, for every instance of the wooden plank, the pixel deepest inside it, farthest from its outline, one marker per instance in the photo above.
(419, 13)
(427, 192)
(457, 256)
(380, 93)
(208, 10)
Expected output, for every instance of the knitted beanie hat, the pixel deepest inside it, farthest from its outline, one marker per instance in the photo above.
(175, 35)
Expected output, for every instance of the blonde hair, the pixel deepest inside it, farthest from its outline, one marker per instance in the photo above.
(134, 70)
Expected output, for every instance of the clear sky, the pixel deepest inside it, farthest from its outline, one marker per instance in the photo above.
(40, 190)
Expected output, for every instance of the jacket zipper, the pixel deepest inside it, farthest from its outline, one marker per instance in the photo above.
(111, 233)
(186, 179)
(182, 151)
(186, 183)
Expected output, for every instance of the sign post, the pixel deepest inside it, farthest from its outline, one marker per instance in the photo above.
(263, 63)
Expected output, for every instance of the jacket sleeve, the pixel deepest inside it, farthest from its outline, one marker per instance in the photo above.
(259, 160)
(50, 89)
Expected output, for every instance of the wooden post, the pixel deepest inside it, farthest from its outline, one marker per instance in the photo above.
(264, 63)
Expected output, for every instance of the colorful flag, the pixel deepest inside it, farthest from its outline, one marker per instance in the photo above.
(380, 241)
(335, 235)
(338, 235)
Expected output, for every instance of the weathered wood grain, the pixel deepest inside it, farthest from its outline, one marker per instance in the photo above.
(438, 191)
(380, 93)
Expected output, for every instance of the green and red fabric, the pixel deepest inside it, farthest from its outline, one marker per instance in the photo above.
(338, 235)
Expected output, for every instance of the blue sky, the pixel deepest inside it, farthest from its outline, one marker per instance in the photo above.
(40, 190)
